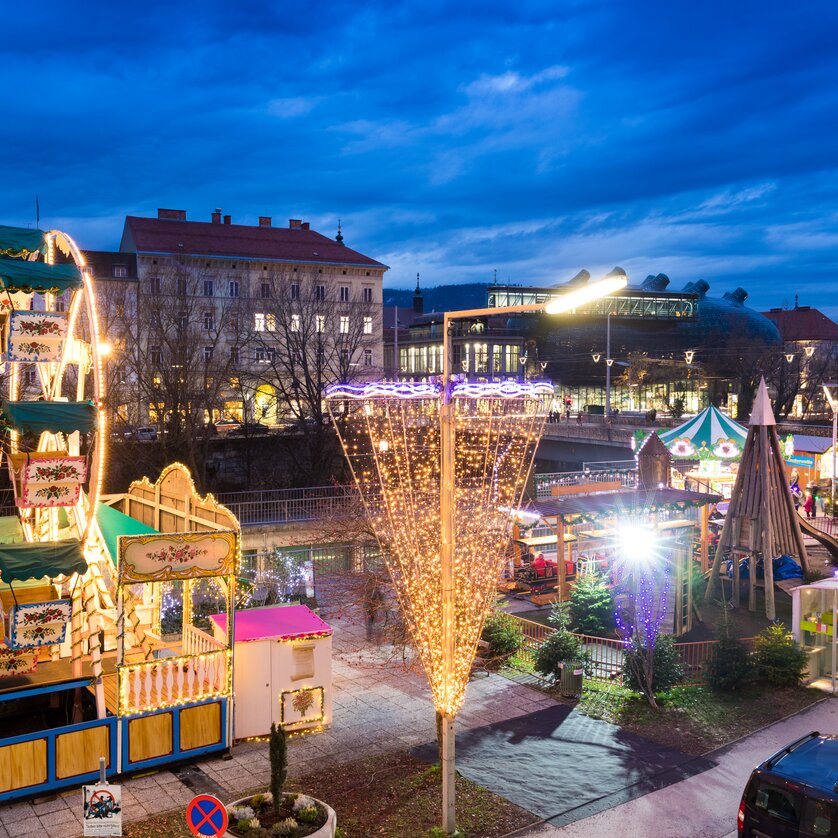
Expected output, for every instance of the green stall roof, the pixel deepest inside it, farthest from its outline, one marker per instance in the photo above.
(11, 532)
(19, 275)
(21, 241)
(19, 562)
(114, 523)
(56, 417)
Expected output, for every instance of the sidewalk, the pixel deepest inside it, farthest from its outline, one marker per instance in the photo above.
(378, 708)
(703, 806)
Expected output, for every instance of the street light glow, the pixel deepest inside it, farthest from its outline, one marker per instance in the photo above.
(586, 294)
(638, 545)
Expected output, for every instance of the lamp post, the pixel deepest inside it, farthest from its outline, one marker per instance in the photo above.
(608, 362)
(558, 305)
(831, 392)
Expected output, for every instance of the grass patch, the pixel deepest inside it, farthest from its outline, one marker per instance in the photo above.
(393, 796)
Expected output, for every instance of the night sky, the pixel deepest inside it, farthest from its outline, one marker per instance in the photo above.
(694, 139)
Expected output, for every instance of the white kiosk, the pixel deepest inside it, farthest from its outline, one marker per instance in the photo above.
(814, 616)
(283, 669)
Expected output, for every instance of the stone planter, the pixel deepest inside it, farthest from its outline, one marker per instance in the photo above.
(325, 831)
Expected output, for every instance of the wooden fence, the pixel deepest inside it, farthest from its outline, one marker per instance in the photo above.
(606, 654)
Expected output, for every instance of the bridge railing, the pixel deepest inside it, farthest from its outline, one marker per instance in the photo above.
(280, 506)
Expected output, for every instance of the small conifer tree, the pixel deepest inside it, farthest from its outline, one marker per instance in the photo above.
(278, 754)
(729, 664)
(592, 605)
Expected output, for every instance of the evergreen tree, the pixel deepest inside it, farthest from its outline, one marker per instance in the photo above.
(592, 606)
(729, 664)
(278, 754)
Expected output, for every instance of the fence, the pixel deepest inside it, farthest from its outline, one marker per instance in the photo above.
(606, 654)
(280, 506)
(544, 483)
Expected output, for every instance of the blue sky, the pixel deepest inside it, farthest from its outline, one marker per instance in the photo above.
(534, 139)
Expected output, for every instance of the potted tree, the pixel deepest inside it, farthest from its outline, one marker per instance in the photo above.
(278, 814)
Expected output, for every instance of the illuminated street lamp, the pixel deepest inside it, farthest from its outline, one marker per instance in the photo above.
(831, 392)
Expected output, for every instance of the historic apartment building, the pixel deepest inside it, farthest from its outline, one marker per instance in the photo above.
(249, 322)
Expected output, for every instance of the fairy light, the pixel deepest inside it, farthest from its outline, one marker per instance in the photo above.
(391, 438)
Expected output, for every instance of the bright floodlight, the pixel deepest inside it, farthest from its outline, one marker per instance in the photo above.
(586, 294)
(638, 545)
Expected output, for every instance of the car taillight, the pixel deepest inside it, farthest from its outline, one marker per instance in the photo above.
(740, 818)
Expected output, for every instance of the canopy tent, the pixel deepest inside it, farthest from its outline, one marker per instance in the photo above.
(56, 417)
(710, 435)
(113, 523)
(18, 275)
(43, 558)
(21, 241)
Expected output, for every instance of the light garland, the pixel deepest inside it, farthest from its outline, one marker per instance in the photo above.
(391, 437)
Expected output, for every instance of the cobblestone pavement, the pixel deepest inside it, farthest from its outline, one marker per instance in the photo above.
(379, 707)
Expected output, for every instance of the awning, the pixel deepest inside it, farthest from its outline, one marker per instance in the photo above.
(113, 523)
(11, 531)
(710, 435)
(21, 241)
(18, 275)
(56, 417)
(19, 562)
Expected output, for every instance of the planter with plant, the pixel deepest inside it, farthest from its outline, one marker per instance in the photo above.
(278, 814)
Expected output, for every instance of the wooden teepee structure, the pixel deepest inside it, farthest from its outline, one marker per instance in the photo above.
(761, 519)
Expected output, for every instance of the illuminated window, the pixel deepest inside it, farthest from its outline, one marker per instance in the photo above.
(156, 380)
(320, 323)
(497, 358)
(265, 356)
(295, 322)
(512, 358)
(344, 324)
(368, 325)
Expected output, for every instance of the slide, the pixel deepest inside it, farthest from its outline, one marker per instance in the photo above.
(828, 541)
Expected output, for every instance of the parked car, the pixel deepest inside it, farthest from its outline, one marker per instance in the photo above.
(224, 426)
(794, 792)
(147, 434)
(249, 429)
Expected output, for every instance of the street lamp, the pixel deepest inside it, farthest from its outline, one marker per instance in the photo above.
(831, 392)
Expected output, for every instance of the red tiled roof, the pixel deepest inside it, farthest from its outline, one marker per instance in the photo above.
(156, 235)
(803, 323)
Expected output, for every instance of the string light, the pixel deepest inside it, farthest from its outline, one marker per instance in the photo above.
(496, 427)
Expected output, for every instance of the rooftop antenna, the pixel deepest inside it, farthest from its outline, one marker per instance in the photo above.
(37, 211)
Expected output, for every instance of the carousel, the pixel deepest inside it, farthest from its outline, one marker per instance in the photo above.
(85, 670)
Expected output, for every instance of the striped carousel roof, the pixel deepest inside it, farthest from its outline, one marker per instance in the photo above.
(708, 435)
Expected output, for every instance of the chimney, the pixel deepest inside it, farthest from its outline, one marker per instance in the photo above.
(216, 216)
(305, 225)
(227, 219)
(295, 224)
(171, 214)
(264, 221)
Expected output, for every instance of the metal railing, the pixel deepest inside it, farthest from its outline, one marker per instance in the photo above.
(544, 483)
(280, 506)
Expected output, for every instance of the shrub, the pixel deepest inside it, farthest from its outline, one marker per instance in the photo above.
(729, 664)
(699, 584)
(667, 669)
(503, 635)
(308, 815)
(560, 646)
(778, 659)
(284, 828)
(242, 813)
(592, 606)
(278, 754)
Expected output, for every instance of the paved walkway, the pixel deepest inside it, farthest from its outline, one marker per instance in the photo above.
(378, 707)
(703, 806)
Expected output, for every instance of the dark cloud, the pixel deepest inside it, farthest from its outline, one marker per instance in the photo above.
(534, 138)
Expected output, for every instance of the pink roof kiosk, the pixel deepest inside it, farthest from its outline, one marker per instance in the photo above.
(282, 669)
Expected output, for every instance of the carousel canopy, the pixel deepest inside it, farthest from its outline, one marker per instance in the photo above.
(19, 562)
(708, 436)
(114, 523)
(21, 241)
(56, 417)
(19, 275)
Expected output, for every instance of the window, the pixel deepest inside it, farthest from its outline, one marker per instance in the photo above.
(295, 322)
(234, 355)
(209, 321)
(235, 321)
(344, 356)
(481, 357)
(343, 326)
(182, 320)
(497, 358)
(180, 287)
(368, 325)
(208, 288)
(155, 354)
(60, 305)
(512, 357)
(344, 293)
(320, 293)
(368, 357)
(156, 380)
(265, 290)
(320, 322)
(303, 662)
(120, 307)
(265, 356)
(207, 354)
(234, 288)
(777, 803)
(154, 284)
(817, 818)
(120, 271)
(295, 290)
(367, 295)
(264, 322)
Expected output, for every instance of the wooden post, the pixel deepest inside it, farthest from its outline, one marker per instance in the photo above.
(561, 567)
(767, 539)
(752, 589)
(703, 536)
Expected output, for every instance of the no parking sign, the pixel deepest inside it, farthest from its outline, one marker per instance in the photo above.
(206, 816)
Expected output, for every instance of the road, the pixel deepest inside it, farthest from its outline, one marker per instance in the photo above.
(703, 806)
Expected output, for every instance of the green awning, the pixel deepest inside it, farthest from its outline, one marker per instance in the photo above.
(19, 562)
(56, 417)
(11, 531)
(113, 523)
(21, 241)
(18, 275)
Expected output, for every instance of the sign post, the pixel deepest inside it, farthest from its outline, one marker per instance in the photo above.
(206, 816)
(102, 807)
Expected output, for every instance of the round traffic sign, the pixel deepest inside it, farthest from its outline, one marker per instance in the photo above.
(206, 816)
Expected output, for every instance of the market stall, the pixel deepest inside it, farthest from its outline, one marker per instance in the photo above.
(814, 617)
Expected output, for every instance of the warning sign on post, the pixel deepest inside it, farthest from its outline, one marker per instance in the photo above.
(102, 809)
(206, 816)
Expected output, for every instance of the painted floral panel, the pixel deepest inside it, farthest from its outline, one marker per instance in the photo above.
(13, 663)
(146, 558)
(39, 623)
(303, 706)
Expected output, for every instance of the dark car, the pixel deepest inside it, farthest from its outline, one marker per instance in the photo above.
(250, 429)
(794, 792)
